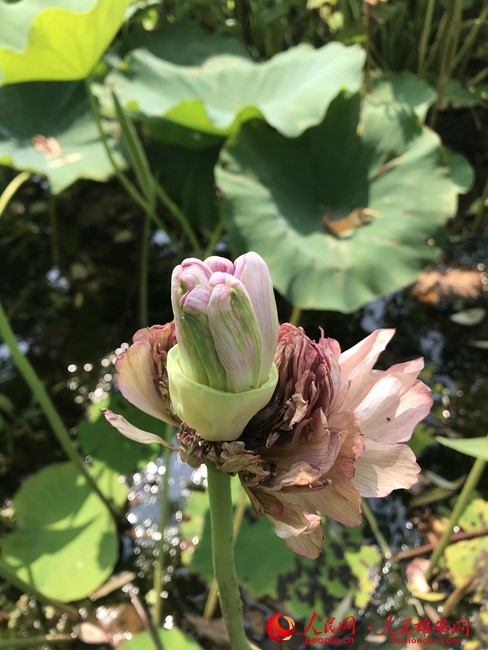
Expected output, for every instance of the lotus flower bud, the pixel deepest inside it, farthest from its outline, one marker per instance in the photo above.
(221, 372)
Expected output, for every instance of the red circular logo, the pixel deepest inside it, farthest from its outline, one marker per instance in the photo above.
(276, 631)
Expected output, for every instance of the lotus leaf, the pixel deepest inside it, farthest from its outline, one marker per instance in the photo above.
(291, 91)
(47, 128)
(405, 88)
(345, 213)
(173, 639)
(63, 40)
(477, 447)
(63, 531)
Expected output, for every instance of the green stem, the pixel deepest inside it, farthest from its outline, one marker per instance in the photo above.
(34, 642)
(163, 521)
(375, 529)
(213, 592)
(11, 189)
(131, 190)
(470, 38)
(223, 556)
(143, 272)
(47, 406)
(214, 238)
(295, 316)
(10, 577)
(459, 507)
(424, 37)
(179, 217)
(481, 214)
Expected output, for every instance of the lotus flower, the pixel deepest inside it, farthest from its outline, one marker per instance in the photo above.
(308, 434)
(332, 433)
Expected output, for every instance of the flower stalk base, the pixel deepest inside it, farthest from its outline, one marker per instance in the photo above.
(221, 515)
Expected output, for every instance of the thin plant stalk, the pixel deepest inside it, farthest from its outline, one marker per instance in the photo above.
(470, 38)
(179, 217)
(10, 577)
(459, 507)
(375, 529)
(41, 396)
(424, 37)
(213, 592)
(144, 272)
(214, 238)
(480, 218)
(11, 190)
(295, 316)
(163, 522)
(223, 556)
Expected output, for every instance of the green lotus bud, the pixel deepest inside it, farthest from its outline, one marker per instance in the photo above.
(221, 372)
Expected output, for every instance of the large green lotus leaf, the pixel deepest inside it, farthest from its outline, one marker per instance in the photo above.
(344, 213)
(55, 39)
(291, 91)
(65, 544)
(100, 440)
(46, 127)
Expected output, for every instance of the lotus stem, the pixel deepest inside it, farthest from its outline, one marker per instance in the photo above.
(459, 507)
(163, 521)
(223, 556)
(213, 592)
(375, 529)
(295, 316)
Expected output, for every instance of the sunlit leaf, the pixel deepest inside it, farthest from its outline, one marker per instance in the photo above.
(364, 565)
(463, 558)
(291, 91)
(345, 213)
(173, 639)
(63, 40)
(477, 447)
(65, 544)
(58, 139)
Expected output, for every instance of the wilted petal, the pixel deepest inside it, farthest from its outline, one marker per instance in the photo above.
(383, 468)
(138, 377)
(130, 431)
(251, 269)
(236, 336)
(309, 544)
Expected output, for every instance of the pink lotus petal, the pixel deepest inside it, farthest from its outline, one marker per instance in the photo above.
(216, 263)
(136, 378)
(251, 269)
(356, 365)
(130, 431)
(383, 468)
(389, 412)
